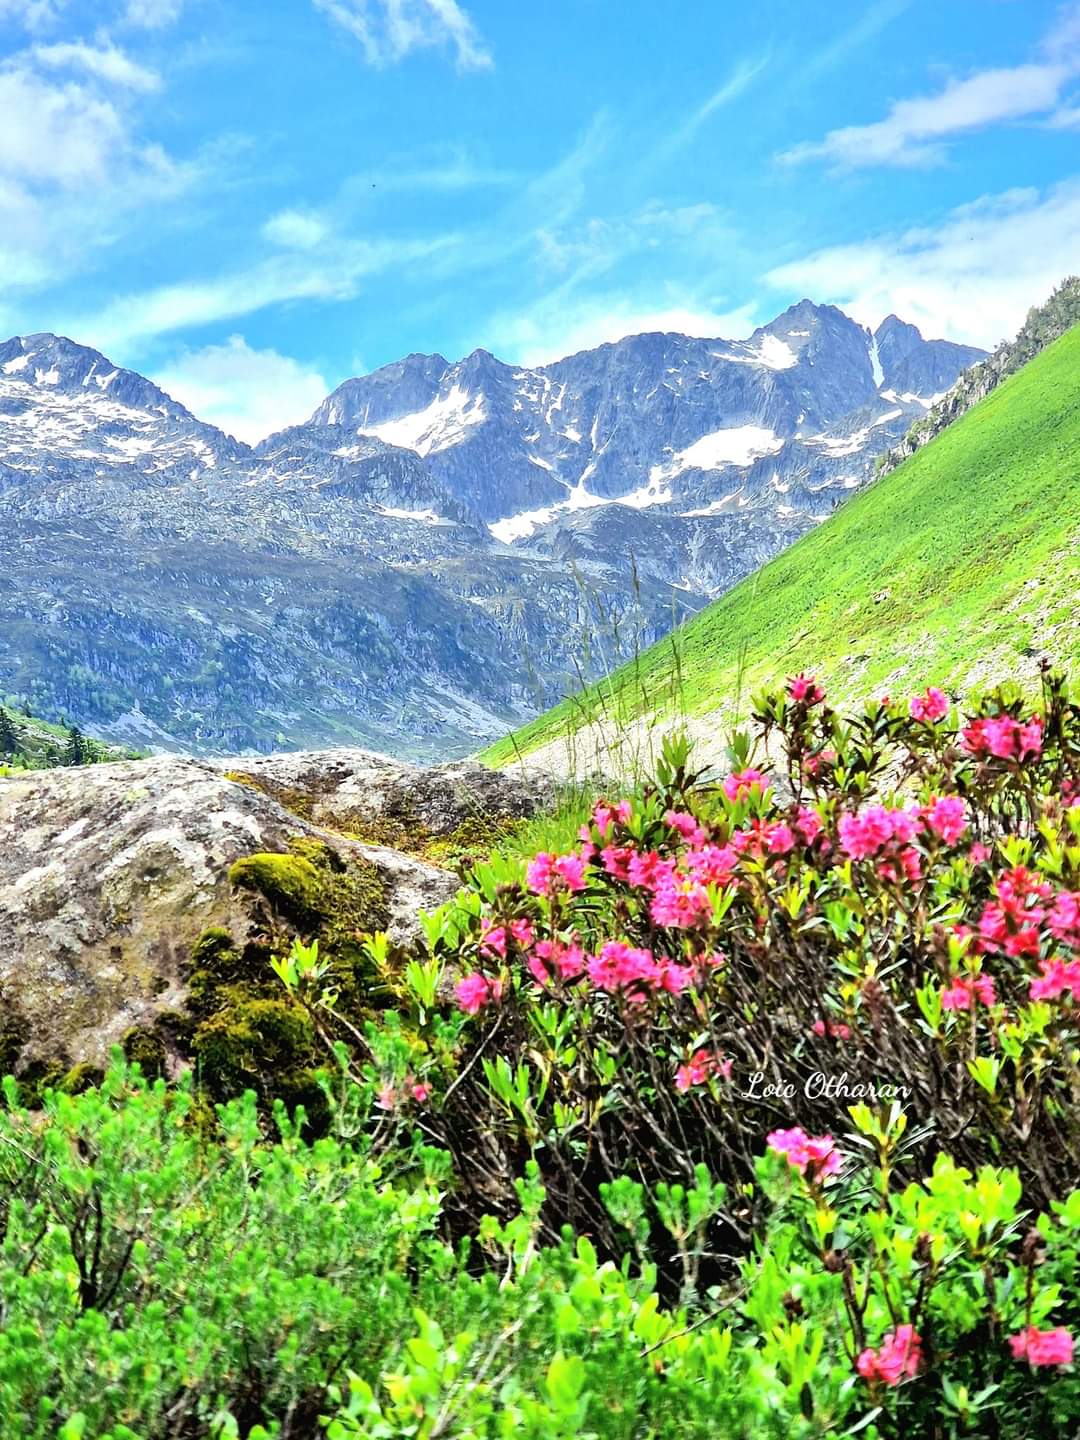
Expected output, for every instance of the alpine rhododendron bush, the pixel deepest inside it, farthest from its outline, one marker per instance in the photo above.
(749, 1108)
(869, 908)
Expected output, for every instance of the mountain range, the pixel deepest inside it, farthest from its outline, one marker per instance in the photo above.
(439, 552)
(956, 567)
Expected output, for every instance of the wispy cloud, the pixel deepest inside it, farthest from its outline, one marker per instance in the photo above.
(333, 272)
(247, 392)
(916, 131)
(732, 89)
(105, 62)
(444, 169)
(850, 38)
(388, 30)
(152, 14)
(32, 14)
(295, 229)
(972, 278)
(547, 331)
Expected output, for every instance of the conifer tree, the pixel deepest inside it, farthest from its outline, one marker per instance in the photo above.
(76, 751)
(9, 740)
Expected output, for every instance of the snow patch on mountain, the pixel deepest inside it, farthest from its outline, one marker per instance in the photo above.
(733, 445)
(439, 425)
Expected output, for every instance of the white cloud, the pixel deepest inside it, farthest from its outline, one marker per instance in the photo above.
(30, 13)
(295, 229)
(61, 133)
(152, 14)
(972, 278)
(105, 62)
(548, 331)
(248, 393)
(914, 131)
(388, 30)
(332, 274)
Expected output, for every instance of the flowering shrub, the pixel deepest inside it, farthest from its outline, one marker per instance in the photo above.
(864, 907)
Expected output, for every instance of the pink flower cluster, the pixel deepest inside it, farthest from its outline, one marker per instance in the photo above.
(547, 874)
(389, 1096)
(1011, 923)
(805, 690)
(898, 1357)
(932, 705)
(964, 990)
(623, 967)
(495, 940)
(741, 782)
(701, 1066)
(605, 816)
(1043, 1347)
(1003, 737)
(947, 818)
(474, 992)
(552, 959)
(885, 836)
(816, 1157)
(833, 1029)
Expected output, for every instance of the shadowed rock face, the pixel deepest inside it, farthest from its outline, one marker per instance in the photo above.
(110, 873)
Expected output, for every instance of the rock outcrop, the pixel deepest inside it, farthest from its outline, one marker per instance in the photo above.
(109, 874)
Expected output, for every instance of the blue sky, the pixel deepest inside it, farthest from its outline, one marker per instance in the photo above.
(251, 200)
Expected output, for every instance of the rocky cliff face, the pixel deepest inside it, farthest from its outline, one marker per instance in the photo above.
(443, 550)
(123, 886)
(1044, 324)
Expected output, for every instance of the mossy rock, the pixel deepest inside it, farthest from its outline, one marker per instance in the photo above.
(81, 1077)
(145, 1048)
(265, 1045)
(291, 884)
(14, 1033)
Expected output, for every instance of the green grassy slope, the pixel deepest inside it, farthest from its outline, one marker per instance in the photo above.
(957, 568)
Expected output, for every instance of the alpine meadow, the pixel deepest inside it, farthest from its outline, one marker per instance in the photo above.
(539, 721)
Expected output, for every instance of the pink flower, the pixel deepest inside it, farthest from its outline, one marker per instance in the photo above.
(834, 1029)
(1003, 737)
(946, 818)
(420, 1092)
(547, 872)
(966, 989)
(494, 941)
(681, 902)
(687, 826)
(701, 1066)
(1043, 1347)
(386, 1099)
(808, 824)
(813, 763)
(649, 870)
(475, 991)
(781, 839)
(712, 864)
(616, 860)
(740, 784)
(620, 966)
(900, 1355)
(571, 870)
(979, 853)
(1058, 976)
(816, 1157)
(930, 706)
(804, 689)
(551, 958)
(871, 829)
(538, 877)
